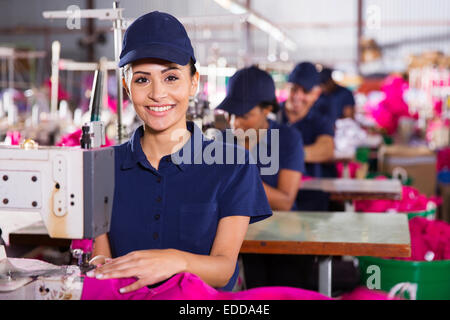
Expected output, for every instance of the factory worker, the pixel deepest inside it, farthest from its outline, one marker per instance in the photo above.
(277, 149)
(341, 100)
(173, 211)
(317, 130)
(249, 100)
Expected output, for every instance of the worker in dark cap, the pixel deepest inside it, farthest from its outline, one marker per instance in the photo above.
(249, 100)
(173, 210)
(299, 111)
(341, 101)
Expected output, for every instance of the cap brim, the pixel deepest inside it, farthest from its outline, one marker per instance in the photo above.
(304, 83)
(236, 107)
(158, 51)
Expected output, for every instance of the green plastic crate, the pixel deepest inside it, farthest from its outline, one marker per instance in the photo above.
(432, 278)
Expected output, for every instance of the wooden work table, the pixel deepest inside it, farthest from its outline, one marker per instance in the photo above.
(355, 189)
(330, 234)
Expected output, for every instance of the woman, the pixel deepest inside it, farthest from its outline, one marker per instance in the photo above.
(250, 99)
(170, 216)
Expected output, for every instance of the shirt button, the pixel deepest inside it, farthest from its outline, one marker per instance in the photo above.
(155, 235)
(158, 199)
(158, 180)
(157, 216)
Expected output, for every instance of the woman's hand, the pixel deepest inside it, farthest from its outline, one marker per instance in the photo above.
(148, 266)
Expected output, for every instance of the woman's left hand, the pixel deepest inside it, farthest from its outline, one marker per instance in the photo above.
(148, 266)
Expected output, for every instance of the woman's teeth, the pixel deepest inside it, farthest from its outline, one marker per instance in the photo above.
(160, 109)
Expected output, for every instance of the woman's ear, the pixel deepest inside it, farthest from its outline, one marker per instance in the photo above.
(125, 86)
(267, 110)
(194, 84)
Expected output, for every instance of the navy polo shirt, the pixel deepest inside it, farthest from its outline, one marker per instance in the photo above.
(337, 100)
(312, 126)
(290, 152)
(179, 205)
(324, 106)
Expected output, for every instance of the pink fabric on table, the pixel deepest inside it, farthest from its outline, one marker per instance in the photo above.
(352, 167)
(429, 237)
(73, 140)
(275, 293)
(15, 137)
(412, 201)
(186, 286)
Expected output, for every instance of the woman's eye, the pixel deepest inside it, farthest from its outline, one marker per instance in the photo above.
(171, 78)
(141, 80)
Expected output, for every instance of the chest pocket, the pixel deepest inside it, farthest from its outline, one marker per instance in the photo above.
(198, 226)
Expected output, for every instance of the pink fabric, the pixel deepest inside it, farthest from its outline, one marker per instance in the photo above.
(363, 293)
(429, 236)
(388, 111)
(73, 139)
(435, 125)
(186, 286)
(83, 244)
(352, 167)
(411, 201)
(112, 104)
(15, 137)
(443, 159)
(62, 93)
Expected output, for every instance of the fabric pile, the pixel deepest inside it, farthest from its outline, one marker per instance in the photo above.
(430, 240)
(186, 286)
(412, 201)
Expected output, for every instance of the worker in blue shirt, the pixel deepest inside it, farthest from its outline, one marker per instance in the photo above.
(341, 101)
(250, 99)
(299, 112)
(277, 148)
(174, 209)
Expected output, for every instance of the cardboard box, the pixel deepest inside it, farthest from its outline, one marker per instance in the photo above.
(419, 163)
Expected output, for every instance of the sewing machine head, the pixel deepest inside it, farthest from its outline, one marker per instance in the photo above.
(72, 188)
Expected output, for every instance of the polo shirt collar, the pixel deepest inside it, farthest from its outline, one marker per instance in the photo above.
(135, 153)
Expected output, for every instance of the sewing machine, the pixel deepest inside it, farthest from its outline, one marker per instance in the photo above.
(71, 187)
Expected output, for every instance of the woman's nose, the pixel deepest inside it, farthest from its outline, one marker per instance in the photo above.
(157, 91)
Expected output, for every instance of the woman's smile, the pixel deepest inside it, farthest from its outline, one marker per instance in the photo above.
(159, 110)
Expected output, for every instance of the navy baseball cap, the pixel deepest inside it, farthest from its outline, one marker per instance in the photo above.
(325, 75)
(246, 89)
(305, 75)
(156, 35)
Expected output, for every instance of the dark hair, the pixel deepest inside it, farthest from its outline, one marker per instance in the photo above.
(266, 104)
(192, 67)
